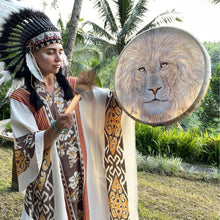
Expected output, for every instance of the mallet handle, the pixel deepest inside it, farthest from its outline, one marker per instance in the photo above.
(73, 103)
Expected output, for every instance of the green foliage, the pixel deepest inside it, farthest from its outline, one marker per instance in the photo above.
(4, 102)
(213, 49)
(210, 109)
(174, 167)
(206, 117)
(215, 1)
(8, 127)
(192, 146)
(120, 27)
(107, 73)
(159, 164)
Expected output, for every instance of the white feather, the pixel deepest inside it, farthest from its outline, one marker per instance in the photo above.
(6, 9)
(5, 76)
(33, 67)
(15, 85)
(65, 65)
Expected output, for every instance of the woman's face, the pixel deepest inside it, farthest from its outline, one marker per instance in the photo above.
(49, 58)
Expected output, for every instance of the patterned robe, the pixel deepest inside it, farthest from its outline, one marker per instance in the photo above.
(88, 173)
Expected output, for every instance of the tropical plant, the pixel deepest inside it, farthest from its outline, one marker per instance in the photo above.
(191, 146)
(119, 28)
(213, 49)
(84, 56)
(73, 26)
(215, 1)
(210, 109)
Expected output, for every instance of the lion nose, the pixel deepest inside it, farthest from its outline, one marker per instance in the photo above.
(154, 90)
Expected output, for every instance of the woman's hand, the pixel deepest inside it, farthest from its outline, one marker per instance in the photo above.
(64, 121)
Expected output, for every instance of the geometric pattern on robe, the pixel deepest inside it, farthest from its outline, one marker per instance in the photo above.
(115, 162)
(94, 108)
(89, 133)
(67, 165)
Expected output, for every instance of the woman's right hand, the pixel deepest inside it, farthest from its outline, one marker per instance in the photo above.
(64, 121)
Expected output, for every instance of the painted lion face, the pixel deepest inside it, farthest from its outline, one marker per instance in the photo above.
(159, 76)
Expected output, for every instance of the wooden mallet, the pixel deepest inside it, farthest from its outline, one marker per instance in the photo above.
(84, 83)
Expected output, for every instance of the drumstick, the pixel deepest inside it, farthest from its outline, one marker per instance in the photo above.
(73, 103)
(84, 83)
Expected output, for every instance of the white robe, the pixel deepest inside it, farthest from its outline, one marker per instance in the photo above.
(92, 112)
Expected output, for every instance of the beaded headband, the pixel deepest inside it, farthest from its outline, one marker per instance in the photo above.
(22, 31)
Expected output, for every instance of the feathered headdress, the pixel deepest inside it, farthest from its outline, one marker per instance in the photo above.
(22, 31)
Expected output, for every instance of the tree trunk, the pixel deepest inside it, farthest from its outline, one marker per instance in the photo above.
(14, 184)
(73, 29)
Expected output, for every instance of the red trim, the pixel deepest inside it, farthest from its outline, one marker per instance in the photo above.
(67, 208)
(23, 96)
(72, 82)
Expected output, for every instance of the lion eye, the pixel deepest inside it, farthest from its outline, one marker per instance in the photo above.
(141, 69)
(163, 65)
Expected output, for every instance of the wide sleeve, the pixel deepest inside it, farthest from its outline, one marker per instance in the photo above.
(29, 143)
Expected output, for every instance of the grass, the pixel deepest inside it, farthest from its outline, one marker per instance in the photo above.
(174, 167)
(161, 197)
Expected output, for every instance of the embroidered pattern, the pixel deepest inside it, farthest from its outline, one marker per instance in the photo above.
(68, 147)
(24, 154)
(39, 198)
(115, 162)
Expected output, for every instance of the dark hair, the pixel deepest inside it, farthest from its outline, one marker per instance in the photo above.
(34, 97)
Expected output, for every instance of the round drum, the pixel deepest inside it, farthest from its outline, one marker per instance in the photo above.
(162, 76)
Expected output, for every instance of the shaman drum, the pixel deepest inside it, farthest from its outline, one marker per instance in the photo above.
(162, 76)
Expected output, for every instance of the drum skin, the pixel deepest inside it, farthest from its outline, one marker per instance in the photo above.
(162, 76)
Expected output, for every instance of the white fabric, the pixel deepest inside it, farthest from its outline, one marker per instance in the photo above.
(128, 128)
(33, 67)
(23, 122)
(16, 83)
(92, 109)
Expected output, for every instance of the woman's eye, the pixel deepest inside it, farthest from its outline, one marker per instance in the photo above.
(163, 65)
(141, 69)
(50, 52)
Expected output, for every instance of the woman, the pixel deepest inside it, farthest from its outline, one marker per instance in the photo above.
(79, 165)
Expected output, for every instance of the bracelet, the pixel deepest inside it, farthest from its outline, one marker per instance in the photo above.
(51, 133)
(53, 123)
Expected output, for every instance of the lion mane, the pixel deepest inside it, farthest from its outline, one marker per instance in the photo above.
(159, 75)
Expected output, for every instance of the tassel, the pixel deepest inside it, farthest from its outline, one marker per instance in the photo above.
(84, 83)
(33, 67)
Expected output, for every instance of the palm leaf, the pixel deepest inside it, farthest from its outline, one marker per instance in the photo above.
(124, 9)
(134, 19)
(99, 42)
(106, 13)
(111, 50)
(165, 17)
(215, 1)
(86, 54)
(77, 67)
(98, 31)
